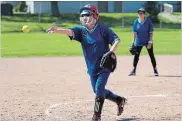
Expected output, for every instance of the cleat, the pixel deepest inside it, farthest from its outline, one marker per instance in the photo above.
(120, 104)
(96, 117)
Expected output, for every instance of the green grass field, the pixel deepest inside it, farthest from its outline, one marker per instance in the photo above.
(177, 13)
(38, 43)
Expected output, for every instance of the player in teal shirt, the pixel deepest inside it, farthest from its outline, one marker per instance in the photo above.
(143, 36)
(95, 39)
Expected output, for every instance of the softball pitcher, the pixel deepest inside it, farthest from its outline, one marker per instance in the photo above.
(95, 39)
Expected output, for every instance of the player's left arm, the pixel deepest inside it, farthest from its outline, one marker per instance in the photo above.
(113, 40)
(114, 47)
(151, 30)
(151, 36)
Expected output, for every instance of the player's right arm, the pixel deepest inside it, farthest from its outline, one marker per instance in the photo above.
(67, 32)
(134, 37)
(74, 33)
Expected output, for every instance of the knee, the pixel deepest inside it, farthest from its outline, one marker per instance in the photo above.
(151, 54)
(99, 92)
(93, 88)
(137, 57)
(150, 51)
(99, 98)
(107, 94)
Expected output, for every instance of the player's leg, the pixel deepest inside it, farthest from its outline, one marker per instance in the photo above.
(104, 93)
(135, 60)
(153, 61)
(93, 80)
(99, 99)
(100, 95)
(120, 101)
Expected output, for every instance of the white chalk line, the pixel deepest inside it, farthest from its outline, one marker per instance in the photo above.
(53, 106)
(146, 96)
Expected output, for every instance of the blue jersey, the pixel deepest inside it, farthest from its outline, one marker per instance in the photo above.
(143, 30)
(95, 43)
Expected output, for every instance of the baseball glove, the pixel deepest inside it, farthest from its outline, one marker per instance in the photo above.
(109, 61)
(133, 49)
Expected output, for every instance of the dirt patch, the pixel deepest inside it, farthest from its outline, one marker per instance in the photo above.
(58, 89)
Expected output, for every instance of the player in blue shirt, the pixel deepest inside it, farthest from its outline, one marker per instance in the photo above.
(95, 39)
(143, 36)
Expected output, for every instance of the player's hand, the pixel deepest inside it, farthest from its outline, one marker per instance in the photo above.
(149, 45)
(51, 30)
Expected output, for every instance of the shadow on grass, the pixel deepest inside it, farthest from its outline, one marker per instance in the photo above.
(45, 18)
(115, 22)
(112, 20)
(168, 25)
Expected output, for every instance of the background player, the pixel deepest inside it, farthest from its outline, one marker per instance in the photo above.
(143, 36)
(95, 39)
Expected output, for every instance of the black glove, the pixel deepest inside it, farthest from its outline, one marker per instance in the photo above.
(109, 61)
(133, 49)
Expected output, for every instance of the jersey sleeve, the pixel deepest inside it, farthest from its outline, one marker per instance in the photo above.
(76, 34)
(134, 30)
(111, 36)
(151, 28)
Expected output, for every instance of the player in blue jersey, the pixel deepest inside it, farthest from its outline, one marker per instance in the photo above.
(143, 36)
(95, 39)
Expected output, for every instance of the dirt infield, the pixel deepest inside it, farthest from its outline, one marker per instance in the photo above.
(58, 89)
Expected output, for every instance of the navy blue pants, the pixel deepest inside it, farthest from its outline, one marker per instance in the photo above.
(98, 85)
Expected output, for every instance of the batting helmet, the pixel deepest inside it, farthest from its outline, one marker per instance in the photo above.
(91, 8)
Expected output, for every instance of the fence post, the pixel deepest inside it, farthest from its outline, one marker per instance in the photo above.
(160, 12)
(122, 15)
(40, 11)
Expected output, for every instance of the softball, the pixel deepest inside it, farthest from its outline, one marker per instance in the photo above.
(25, 29)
